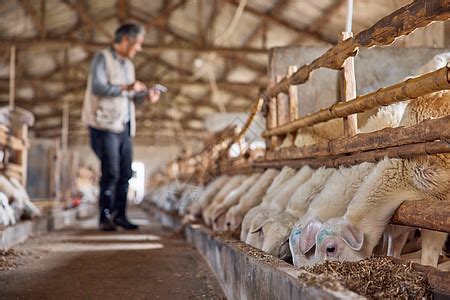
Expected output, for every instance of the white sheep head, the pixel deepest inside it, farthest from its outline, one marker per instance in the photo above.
(275, 231)
(233, 218)
(303, 239)
(339, 240)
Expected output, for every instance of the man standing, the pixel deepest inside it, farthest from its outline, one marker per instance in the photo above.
(109, 112)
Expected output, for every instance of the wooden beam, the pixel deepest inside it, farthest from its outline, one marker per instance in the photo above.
(78, 7)
(409, 89)
(324, 18)
(231, 90)
(122, 10)
(276, 8)
(282, 102)
(162, 17)
(431, 215)
(149, 81)
(285, 23)
(60, 68)
(138, 140)
(201, 36)
(155, 135)
(426, 131)
(58, 43)
(29, 11)
(348, 90)
(293, 96)
(47, 100)
(405, 151)
(233, 56)
(142, 126)
(211, 21)
(43, 19)
(85, 28)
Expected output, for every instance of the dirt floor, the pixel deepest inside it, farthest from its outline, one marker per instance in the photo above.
(81, 262)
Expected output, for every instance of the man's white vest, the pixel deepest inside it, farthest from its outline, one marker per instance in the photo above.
(109, 113)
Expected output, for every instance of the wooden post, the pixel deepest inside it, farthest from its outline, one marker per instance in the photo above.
(22, 159)
(12, 77)
(293, 96)
(282, 106)
(43, 19)
(272, 121)
(348, 90)
(65, 126)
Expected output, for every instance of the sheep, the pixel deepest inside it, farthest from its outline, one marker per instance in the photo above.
(207, 195)
(331, 202)
(252, 198)
(277, 228)
(16, 199)
(30, 209)
(332, 129)
(284, 175)
(4, 218)
(8, 217)
(389, 116)
(187, 198)
(218, 213)
(386, 116)
(393, 181)
(278, 204)
(233, 183)
(288, 141)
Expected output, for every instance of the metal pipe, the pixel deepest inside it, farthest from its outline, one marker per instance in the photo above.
(349, 19)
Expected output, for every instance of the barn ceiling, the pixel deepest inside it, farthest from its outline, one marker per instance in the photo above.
(212, 57)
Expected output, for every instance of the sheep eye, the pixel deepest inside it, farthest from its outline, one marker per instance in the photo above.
(331, 249)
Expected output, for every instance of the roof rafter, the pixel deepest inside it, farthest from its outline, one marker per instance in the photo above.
(285, 23)
(82, 12)
(275, 9)
(30, 12)
(328, 13)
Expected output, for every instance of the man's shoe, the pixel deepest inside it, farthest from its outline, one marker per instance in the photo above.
(124, 223)
(107, 226)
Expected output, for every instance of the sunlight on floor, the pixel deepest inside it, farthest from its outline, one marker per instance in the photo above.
(114, 237)
(73, 247)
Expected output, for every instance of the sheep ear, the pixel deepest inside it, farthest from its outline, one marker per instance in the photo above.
(352, 236)
(260, 226)
(218, 214)
(308, 236)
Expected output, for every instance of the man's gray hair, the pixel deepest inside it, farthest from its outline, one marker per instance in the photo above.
(130, 30)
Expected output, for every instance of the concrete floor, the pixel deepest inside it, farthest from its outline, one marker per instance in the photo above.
(81, 262)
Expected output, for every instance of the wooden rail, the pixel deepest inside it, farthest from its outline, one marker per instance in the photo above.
(431, 215)
(409, 89)
(426, 131)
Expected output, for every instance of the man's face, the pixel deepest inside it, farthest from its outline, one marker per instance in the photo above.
(133, 45)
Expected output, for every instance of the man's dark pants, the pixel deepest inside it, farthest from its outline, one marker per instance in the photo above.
(115, 153)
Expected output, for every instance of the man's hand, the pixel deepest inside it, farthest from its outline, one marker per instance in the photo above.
(153, 95)
(137, 86)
